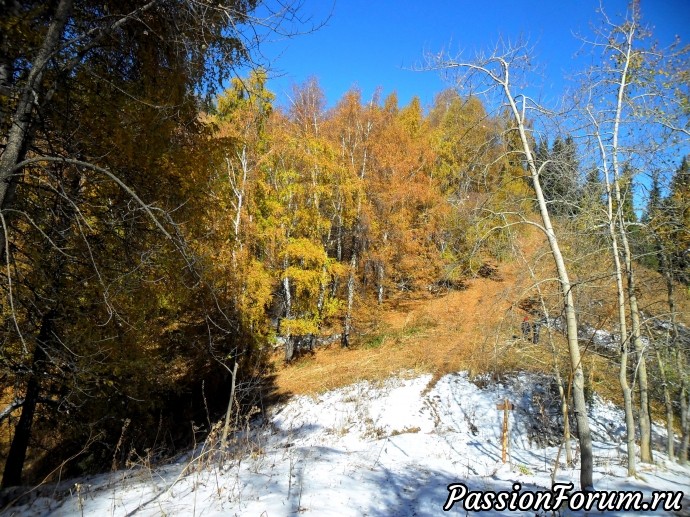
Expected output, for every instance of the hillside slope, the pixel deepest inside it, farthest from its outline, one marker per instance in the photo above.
(427, 333)
(377, 449)
(383, 428)
(478, 328)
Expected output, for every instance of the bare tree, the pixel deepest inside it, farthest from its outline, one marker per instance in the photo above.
(612, 220)
(624, 104)
(494, 72)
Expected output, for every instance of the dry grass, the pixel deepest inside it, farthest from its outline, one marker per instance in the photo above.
(472, 329)
(424, 335)
(475, 329)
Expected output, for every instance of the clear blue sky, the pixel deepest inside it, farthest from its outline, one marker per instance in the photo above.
(373, 43)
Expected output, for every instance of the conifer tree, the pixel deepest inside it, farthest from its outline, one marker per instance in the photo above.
(98, 103)
(678, 206)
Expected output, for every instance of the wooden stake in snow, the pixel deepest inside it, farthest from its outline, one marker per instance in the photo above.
(506, 406)
(226, 427)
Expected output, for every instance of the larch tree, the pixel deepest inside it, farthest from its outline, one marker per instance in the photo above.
(403, 204)
(352, 127)
(296, 218)
(96, 98)
(464, 139)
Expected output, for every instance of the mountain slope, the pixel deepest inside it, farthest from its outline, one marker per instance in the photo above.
(371, 448)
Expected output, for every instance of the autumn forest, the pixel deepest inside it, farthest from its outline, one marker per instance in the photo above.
(171, 233)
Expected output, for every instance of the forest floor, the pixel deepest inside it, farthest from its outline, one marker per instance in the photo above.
(475, 329)
(438, 334)
(383, 427)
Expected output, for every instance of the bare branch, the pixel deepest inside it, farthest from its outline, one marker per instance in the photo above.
(96, 168)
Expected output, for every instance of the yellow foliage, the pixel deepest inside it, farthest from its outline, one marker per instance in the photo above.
(298, 326)
(306, 252)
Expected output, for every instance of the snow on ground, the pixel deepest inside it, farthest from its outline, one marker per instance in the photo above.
(371, 449)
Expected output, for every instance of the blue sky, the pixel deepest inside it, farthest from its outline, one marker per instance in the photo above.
(374, 43)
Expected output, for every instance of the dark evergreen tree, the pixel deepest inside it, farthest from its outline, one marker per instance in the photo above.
(593, 190)
(560, 175)
(677, 206)
(650, 248)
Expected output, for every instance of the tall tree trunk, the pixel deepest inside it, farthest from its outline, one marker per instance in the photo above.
(322, 291)
(623, 368)
(289, 342)
(645, 421)
(671, 347)
(622, 321)
(14, 465)
(643, 382)
(579, 403)
(684, 396)
(238, 185)
(379, 282)
(22, 119)
(347, 319)
(668, 402)
(339, 235)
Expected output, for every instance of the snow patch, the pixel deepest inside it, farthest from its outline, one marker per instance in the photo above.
(372, 448)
